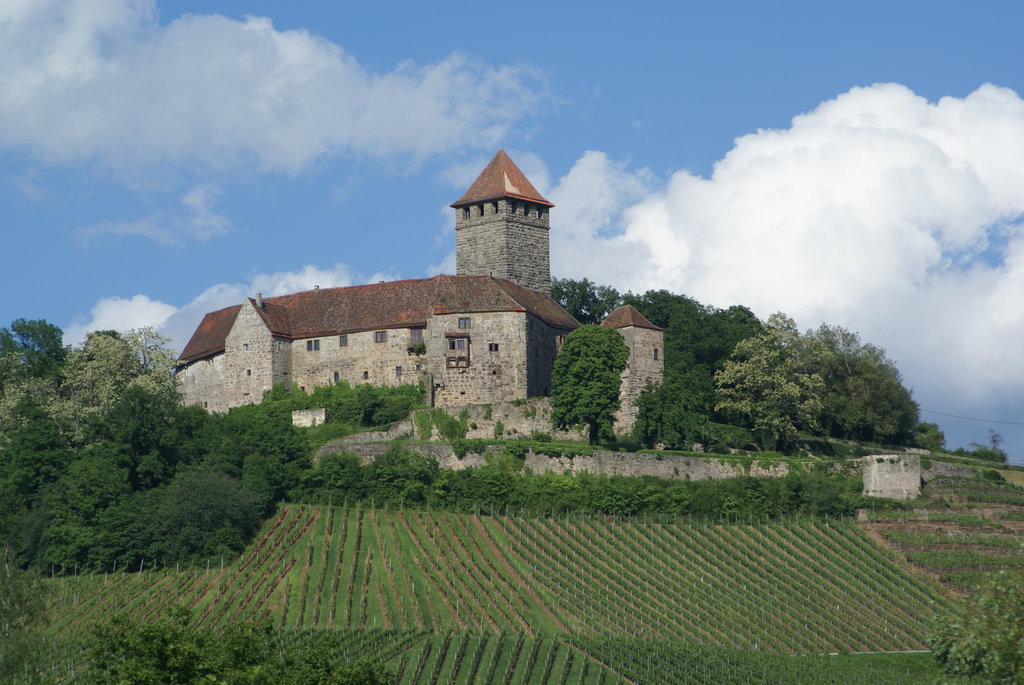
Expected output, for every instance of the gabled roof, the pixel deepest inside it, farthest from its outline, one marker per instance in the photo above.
(625, 316)
(501, 179)
(209, 336)
(391, 304)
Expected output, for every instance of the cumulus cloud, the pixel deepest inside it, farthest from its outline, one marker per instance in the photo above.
(879, 210)
(103, 79)
(119, 314)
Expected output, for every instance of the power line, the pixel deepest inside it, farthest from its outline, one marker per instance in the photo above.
(973, 418)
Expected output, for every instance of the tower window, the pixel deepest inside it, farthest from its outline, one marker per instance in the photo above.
(481, 210)
(366, 375)
(380, 336)
(245, 347)
(398, 372)
(248, 372)
(494, 208)
(465, 212)
(337, 376)
(655, 354)
(492, 347)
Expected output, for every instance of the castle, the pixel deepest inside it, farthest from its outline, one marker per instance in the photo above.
(490, 333)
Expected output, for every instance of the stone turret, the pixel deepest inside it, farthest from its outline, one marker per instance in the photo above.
(646, 363)
(501, 227)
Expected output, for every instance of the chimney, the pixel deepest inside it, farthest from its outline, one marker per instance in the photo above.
(259, 300)
(316, 287)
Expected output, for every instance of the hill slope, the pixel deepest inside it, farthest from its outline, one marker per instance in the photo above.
(791, 587)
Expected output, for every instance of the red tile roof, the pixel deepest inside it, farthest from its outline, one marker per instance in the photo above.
(502, 178)
(209, 337)
(627, 315)
(392, 304)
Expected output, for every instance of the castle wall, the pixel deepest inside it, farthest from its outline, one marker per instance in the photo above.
(363, 359)
(249, 350)
(486, 375)
(646, 364)
(543, 343)
(201, 383)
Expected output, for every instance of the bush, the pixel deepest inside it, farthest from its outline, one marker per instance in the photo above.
(448, 427)
(499, 429)
(540, 436)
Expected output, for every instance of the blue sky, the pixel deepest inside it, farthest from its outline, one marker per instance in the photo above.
(860, 164)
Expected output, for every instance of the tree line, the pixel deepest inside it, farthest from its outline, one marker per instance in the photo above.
(725, 367)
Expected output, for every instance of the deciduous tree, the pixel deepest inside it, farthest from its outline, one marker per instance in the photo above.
(586, 379)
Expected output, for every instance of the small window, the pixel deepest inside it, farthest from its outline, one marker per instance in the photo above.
(337, 376)
(366, 375)
(248, 372)
(416, 335)
(245, 347)
(380, 336)
(398, 372)
(206, 405)
(457, 344)
(342, 341)
(464, 322)
(492, 347)
(312, 345)
(655, 354)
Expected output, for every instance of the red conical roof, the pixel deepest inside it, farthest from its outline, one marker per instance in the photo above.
(626, 316)
(501, 178)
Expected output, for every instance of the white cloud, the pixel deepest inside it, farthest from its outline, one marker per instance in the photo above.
(878, 210)
(119, 314)
(102, 79)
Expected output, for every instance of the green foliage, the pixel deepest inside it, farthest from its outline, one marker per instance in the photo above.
(764, 383)
(404, 478)
(930, 437)
(424, 425)
(171, 650)
(862, 397)
(417, 348)
(588, 302)
(985, 640)
(499, 429)
(488, 412)
(586, 378)
(448, 427)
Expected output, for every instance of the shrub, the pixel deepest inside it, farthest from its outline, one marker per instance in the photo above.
(499, 429)
(540, 436)
(448, 427)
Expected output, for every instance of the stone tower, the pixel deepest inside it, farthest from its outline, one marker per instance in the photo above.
(501, 227)
(646, 363)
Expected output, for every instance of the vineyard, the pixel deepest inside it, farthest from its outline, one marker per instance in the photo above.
(794, 587)
(969, 530)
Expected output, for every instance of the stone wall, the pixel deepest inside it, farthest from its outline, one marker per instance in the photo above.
(305, 418)
(600, 462)
(892, 477)
(380, 357)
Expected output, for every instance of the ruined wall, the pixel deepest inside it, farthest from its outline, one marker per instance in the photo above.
(892, 477)
(504, 239)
